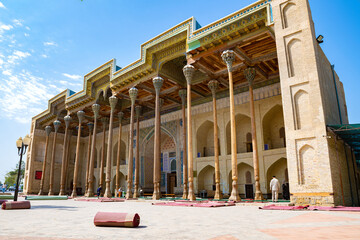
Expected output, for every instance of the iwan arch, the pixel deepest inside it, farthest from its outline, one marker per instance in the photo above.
(259, 74)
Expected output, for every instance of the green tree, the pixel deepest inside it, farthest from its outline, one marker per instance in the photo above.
(11, 176)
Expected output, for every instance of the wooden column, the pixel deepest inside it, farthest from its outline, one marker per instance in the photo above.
(118, 157)
(213, 85)
(249, 74)
(157, 82)
(52, 166)
(182, 94)
(113, 101)
(67, 120)
(133, 94)
(104, 121)
(90, 193)
(228, 56)
(47, 131)
(137, 160)
(81, 116)
(90, 126)
(189, 71)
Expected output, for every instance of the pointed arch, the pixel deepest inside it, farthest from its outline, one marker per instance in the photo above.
(295, 52)
(205, 139)
(289, 15)
(272, 123)
(302, 110)
(243, 124)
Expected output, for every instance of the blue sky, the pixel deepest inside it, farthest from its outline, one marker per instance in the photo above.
(48, 46)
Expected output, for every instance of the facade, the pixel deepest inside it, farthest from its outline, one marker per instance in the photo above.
(259, 75)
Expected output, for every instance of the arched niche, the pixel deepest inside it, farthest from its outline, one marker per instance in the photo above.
(122, 153)
(122, 183)
(205, 139)
(105, 155)
(243, 127)
(273, 124)
(302, 110)
(295, 53)
(307, 169)
(289, 15)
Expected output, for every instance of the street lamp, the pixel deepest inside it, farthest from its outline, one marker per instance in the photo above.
(21, 144)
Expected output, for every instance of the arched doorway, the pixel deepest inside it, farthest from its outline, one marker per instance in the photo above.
(245, 181)
(122, 183)
(205, 140)
(273, 128)
(168, 157)
(206, 180)
(278, 169)
(243, 125)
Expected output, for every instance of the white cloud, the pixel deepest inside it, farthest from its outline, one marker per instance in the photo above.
(6, 73)
(18, 22)
(74, 77)
(5, 27)
(44, 56)
(27, 28)
(17, 55)
(2, 5)
(26, 34)
(50, 43)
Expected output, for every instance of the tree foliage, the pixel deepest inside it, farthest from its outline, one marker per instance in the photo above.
(10, 177)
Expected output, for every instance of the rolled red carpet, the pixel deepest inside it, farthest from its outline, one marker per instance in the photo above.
(16, 205)
(2, 201)
(117, 219)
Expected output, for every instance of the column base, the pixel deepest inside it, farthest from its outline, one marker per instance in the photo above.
(136, 191)
(62, 193)
(50, 193)
(156, 193)
(73, 194)
(40, 192)
(218, 195)
(234, 193)
(185, 193)
(108, 194)
(259, 196)
(90, 194)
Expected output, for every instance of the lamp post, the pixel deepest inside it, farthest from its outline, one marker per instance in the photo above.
(22, 145)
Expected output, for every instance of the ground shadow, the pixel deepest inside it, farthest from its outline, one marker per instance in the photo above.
(54, 207)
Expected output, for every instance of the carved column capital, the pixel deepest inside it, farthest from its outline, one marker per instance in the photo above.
(213, 86)
(133, 92)
(90, 126)
(182, 94)
(113, 101)
(56, 125)
(228, 57)
(105, 120)
(96, 109)
(81, 116)
(158, 82)
(67, 120)
(250, 74)
(189, 71)
(48, 130)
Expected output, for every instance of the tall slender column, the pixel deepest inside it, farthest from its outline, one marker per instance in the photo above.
(182, 94)
(213, 85)
(249, 74)
(81, 116)
(96, 108)
(189, 71)
(120, 116)
(47, 131)
(113, 101)
(67, 158)
(67, 120)
(90, 126)
(104, 121)
(157, 82)
(133, 94)
(137, 160)
(52, 166)
(228, 57)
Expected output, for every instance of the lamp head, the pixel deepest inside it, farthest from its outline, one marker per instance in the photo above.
(19, 143)
(320, 39)
(27, 140)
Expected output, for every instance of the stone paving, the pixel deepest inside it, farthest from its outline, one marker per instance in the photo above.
(69, 219)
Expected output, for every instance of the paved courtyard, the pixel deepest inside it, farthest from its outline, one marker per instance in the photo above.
(69, 219)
